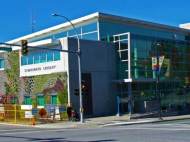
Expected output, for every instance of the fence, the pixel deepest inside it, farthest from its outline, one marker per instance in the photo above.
(26, 114)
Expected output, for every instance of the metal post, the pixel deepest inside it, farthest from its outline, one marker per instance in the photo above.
(157, 80)
(80, 84)
(129, 100)
(79, 66)
(15, 112)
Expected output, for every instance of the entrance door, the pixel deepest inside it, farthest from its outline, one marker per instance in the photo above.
(87, 96)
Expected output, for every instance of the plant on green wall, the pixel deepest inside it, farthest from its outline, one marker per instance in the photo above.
(63, 97)
(46, 84)
(12, 73)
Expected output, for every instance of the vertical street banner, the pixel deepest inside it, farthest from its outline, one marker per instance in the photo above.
(156, 67)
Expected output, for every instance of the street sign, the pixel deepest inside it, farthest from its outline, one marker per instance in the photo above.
(28, 114)
(62, 109)
(34, 111)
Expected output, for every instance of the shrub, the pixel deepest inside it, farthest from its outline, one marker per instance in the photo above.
(42, 112)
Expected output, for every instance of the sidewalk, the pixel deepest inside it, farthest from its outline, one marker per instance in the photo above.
(102, 122)
(109, 121)
(89, 122)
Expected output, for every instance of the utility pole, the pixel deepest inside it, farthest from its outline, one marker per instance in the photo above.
(79, 65)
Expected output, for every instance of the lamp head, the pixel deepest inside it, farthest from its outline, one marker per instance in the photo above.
(54, 14)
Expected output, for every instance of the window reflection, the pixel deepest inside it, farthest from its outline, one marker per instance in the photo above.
(40, 57)
(2, 63)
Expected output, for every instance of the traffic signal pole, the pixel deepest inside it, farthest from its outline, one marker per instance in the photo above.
(34, 47)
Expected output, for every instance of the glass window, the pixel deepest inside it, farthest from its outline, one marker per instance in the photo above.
(24, 60)
(61, 35)
(91, 36)
(89, 28)
(41, 100)
(2, 63)
(43, 57)
(30, 59)
(54, 100)
(36, 59)
(27, 100)
(49, 56)
(72, 32)
(56, 56)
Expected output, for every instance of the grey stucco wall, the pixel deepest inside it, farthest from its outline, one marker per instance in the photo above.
(98, 59)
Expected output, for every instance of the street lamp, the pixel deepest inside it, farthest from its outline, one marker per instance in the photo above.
(79, 64)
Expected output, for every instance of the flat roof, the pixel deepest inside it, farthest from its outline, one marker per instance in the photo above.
(100, 16)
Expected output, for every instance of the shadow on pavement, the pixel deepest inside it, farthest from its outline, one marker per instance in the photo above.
(52, 139)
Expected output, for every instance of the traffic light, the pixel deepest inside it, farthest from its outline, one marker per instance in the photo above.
(76, 92)
(24, 46)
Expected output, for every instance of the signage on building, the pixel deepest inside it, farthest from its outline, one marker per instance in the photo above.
(26, 107)
(48, 67)
(43, 68)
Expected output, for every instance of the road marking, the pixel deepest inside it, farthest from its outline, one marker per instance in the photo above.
(63, 139)
(164, 129)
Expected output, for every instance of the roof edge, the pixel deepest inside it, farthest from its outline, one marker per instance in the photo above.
(55, 28)
(143, 22)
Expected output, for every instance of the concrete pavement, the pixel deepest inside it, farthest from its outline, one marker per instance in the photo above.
(109, 121)
(103, 122)
(169, 131)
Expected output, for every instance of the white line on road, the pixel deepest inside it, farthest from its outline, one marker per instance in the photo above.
(157, 129)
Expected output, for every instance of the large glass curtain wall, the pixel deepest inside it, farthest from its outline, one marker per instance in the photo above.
(174, 74)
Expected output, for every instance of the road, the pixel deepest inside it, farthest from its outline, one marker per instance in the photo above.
(176, 131)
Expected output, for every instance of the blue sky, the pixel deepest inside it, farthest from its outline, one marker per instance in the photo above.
(16, 14)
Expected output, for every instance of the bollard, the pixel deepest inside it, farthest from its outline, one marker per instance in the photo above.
(33, 121)
(15, 114)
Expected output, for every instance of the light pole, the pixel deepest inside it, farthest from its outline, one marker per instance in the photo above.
(79, 64)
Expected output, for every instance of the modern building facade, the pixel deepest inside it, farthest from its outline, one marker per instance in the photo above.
(119, 58)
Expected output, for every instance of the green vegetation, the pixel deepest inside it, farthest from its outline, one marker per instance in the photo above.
(12, 72)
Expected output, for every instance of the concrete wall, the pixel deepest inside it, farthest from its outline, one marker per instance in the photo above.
(98, 59)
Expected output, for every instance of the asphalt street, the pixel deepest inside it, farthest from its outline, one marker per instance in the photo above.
(174, 131)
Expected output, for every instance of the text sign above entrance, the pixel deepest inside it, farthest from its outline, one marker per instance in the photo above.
(44, 68)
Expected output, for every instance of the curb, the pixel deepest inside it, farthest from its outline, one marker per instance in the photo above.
(144, 122)
(13, 124)
(130, 123)
(99, 124)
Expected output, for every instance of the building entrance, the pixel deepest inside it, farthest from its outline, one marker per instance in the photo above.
(87, 94)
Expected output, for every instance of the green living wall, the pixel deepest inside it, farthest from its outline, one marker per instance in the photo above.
(43, 86)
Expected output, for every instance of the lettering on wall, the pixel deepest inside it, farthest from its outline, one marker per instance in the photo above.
(40, 68)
